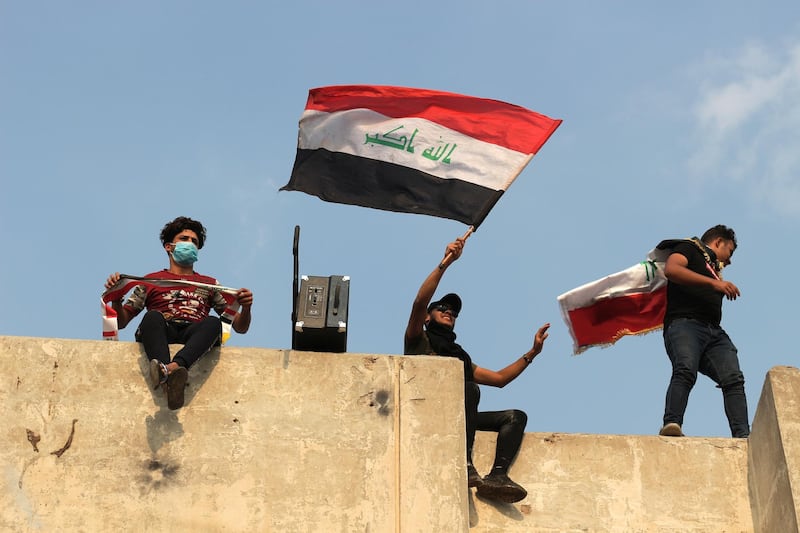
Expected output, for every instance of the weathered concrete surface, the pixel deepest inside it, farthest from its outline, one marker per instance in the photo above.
(269, 440)
(774, 472)
(617, 483)
(276, 440)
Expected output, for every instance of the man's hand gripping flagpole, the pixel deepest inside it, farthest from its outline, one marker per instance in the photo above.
(445, 262)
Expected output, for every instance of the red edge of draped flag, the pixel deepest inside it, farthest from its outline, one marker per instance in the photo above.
(413, 150)
(630, 302)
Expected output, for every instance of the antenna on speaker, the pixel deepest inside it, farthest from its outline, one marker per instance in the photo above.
(295, 287)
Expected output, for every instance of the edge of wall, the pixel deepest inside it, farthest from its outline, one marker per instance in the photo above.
(773, 466)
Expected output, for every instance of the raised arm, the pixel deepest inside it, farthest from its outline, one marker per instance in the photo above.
(419, 309)
(503, 377)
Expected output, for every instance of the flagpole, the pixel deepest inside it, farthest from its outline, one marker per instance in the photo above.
(486, 211)
(465, 237)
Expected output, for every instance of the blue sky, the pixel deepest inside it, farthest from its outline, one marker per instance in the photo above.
(115, 117)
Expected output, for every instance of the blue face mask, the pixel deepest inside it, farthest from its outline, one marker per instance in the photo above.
(184, 253)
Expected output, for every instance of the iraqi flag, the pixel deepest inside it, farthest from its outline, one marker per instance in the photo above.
(630, 302)
(413, 150)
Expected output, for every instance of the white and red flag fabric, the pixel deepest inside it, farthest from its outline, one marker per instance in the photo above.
(127, 282)
(413, 150)
(630, 302)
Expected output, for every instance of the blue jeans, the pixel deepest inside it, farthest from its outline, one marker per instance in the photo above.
(694, 346)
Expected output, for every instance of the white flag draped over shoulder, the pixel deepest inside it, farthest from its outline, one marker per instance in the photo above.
(413, 150)
(630, 302)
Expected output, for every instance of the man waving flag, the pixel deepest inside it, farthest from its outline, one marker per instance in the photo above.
(413, 150)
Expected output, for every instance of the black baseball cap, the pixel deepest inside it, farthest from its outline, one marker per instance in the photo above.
(452, 299)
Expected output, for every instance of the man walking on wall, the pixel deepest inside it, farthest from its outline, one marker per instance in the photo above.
(694, 340)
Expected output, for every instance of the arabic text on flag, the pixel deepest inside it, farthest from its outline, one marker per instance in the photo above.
(413, 150)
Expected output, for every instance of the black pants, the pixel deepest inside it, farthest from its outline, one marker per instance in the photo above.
(156, 334)
(509, 425)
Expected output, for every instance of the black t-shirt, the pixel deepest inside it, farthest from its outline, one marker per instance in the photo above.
(689, 301)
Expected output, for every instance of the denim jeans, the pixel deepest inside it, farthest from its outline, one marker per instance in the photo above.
(694, 346)
(509, 425)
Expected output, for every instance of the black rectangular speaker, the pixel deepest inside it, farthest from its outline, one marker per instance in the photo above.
(321, 314)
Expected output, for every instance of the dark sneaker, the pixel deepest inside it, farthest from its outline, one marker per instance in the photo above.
(474, 479)
(671, 429)
(176, 383)
(158, 373)
(500, 487)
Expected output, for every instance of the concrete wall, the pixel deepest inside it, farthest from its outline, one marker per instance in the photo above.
(618, 483)
(274, 440)
(774, 472)
(268, 440)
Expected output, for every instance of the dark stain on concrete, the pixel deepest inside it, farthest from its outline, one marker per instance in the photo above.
(157, 475)
(381, 398)
(60, 451)
(34, 439)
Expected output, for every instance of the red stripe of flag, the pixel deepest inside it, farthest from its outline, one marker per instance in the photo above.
(382, 179)
(606, 321)
(492, 121)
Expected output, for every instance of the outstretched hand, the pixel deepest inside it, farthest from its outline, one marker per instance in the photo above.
(539, 338)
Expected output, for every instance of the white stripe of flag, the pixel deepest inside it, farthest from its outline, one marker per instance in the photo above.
(413, 150)
(411, 142)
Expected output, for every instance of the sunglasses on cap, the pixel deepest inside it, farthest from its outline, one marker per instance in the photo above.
(442, 308)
